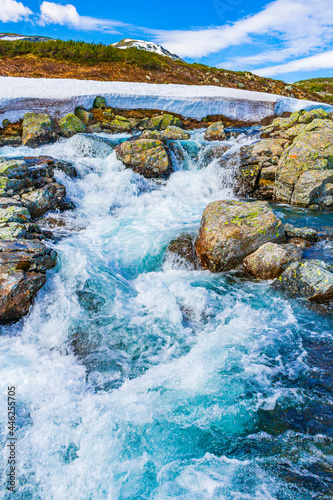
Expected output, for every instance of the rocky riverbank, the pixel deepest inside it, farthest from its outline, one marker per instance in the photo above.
(291, 162)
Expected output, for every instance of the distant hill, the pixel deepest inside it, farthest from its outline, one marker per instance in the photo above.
(13, 37)
(323, 87)
(127, 43)
(89, 61)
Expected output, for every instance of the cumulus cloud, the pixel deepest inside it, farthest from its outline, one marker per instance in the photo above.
(67, 15)
(12, 11)
(323, 60)
(298, 25)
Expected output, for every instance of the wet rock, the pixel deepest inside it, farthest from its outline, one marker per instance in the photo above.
(183, 249)
(84, 115)
(99, 102)
(214, 151)
(38, 129)
(44, 166)
(12, 141)
(18, 290)
(71, 125)
(270, 260)
(311, 279)
(304, 174)
(42, 200)
(146, 157)
(231, 230)
(306, 233)
(300, 242)
(215, 132)
(22, 275)
(173, 133)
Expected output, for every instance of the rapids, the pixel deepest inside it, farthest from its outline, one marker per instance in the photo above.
(140, 378)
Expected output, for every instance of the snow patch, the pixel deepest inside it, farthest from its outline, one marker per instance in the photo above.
(60, 96)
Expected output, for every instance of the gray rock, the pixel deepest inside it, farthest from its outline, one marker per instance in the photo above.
(270, 260)
(231, 230)
(311, 279)
(306, 233)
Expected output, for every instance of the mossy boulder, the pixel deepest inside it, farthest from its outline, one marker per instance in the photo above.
(311, 279)
(100, 103)
(84, 115)
(215, 132)
(71, 125)
(270, 260)
(120, 124)
(147, 157)
(306, 233)
(161, 122)
(174, 133)
(37, 129)
(231, 230)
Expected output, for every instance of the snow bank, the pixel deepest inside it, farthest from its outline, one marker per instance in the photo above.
(60, 96)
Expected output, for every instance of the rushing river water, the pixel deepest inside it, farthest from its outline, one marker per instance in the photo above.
(140, 378)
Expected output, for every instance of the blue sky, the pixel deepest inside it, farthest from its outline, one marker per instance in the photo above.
(286, 39)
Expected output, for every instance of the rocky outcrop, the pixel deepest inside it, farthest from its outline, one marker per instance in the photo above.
(231, 230)
(37, 129)
(311, 279)
(22, 274)
(71, 125)
(270, 260)
(292, 162)
(146, 157)
(215, 132)
(305, 172)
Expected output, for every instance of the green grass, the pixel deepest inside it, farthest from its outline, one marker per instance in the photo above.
(82, 52)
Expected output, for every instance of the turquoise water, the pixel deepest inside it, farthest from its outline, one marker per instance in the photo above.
(140, 378)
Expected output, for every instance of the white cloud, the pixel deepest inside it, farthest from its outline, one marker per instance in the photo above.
(67, 15)
(298, 26)
(12, 11)
(318, 61)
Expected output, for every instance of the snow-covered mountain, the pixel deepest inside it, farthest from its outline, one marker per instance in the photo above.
(12, 37)
(143, 45)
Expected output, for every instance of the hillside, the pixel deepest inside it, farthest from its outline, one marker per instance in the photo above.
(88, 61)
(322, 87)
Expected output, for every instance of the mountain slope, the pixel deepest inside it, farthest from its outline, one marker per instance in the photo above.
(143, 45)
(323, 87)
(88, 61)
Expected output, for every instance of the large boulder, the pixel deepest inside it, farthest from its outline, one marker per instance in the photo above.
(231, 230)
(305, 170)
(144, 156)
(37, 129)
(215, 132)
(70, 125)
(270, 260)
(311, 279)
